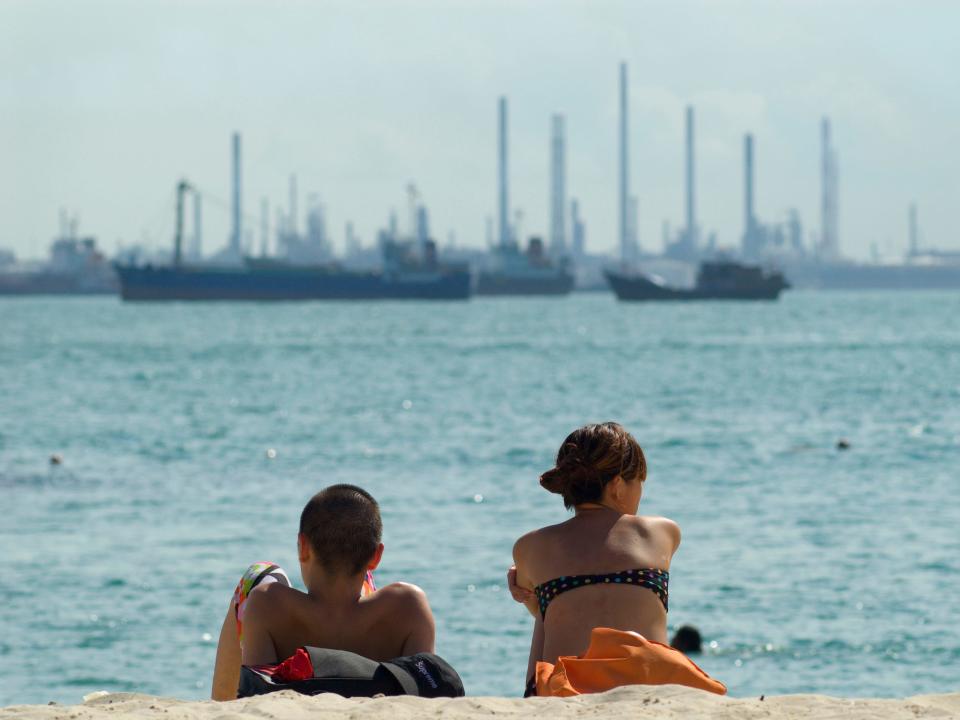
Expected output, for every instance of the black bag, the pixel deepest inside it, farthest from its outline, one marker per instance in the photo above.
(351, 675)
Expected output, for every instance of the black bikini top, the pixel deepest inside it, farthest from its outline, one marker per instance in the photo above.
(650, 578)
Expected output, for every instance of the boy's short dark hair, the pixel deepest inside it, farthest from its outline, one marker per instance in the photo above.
(342, 524)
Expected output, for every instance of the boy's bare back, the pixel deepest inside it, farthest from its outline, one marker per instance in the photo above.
(338, 546)
(393, 621)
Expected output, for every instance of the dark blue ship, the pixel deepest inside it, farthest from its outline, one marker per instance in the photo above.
(716, 280)
(409, 272)
(279, 281)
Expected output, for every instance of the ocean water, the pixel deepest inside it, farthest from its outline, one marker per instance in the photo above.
(806, 569)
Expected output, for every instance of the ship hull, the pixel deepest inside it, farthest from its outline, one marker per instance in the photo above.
(49, 283)
(502, 284)
(637, 288)
(167, 283)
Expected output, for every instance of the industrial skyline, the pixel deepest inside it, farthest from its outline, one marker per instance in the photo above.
(103, 123)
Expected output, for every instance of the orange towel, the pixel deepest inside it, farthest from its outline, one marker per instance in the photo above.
(617, 658)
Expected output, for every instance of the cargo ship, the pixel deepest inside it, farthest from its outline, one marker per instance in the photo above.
(716, 280)
(532, 273)
(75, 267)
(259, 279)
(408, 272)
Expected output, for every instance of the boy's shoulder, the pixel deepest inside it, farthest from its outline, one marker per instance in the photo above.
(400, 604)
(267, 597)
(275, 602)
(399, 593)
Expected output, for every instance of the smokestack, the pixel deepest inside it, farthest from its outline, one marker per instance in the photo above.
(351, 239)
(237, 227)
(264, 226)
(825, 239)
(576, 230)
(748, 219)
(558, 199)
(828, 191)
(914, 240)
(292, 229)
(412, 204)
(633, 224)
(691, 219)
(516, 231)
(825, 184)
(504, 206)
(182, 189)
(625, 253)
(196, 249)
(834, 202)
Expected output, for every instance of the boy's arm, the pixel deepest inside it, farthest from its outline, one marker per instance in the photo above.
(422, 635)
(258, 647)
(226, 668)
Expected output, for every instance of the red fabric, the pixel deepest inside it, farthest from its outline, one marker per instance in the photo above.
(296, 667)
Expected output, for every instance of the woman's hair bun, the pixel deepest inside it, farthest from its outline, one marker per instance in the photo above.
(590, 458)
(569, 472)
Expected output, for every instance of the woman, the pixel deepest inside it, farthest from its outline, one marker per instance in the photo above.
(618, 563)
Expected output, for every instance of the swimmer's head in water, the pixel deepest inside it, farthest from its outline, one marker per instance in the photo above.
(343, 527)
(687, 640)
(590, 458)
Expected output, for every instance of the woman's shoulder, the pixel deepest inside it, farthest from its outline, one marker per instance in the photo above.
(529, 542)
(658, 527)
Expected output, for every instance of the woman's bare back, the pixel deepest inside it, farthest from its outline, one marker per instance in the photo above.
(591, 550)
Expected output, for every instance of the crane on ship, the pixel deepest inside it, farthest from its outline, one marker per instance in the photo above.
(183, 187)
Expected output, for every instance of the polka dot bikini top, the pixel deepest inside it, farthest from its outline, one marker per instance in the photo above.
(650, 578)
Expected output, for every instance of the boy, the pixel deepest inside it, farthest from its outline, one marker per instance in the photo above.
(338, 545)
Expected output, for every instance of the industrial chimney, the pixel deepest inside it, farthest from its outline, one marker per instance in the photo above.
(264, 226)
(914, 239)
(826, 241)
(237, 232)
(292, 225)
(504, 205)
(558, 200)
(196, 247)
(625, 251)
(748, 217)
(691, 234)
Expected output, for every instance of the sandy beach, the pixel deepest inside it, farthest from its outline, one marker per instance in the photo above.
(627, 702)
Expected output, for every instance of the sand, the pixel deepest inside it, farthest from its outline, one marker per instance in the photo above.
(628, 702)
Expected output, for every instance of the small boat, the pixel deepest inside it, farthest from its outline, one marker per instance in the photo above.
(716, 280)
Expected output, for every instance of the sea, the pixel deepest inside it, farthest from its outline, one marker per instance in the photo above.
(190, 436)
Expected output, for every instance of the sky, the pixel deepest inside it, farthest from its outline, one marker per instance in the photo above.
(104, 105)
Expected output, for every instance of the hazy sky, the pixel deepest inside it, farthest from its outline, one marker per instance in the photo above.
(104, 105)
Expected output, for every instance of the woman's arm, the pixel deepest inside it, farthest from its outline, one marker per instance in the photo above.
(518, 581)
(521, 594)
(536, 648)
